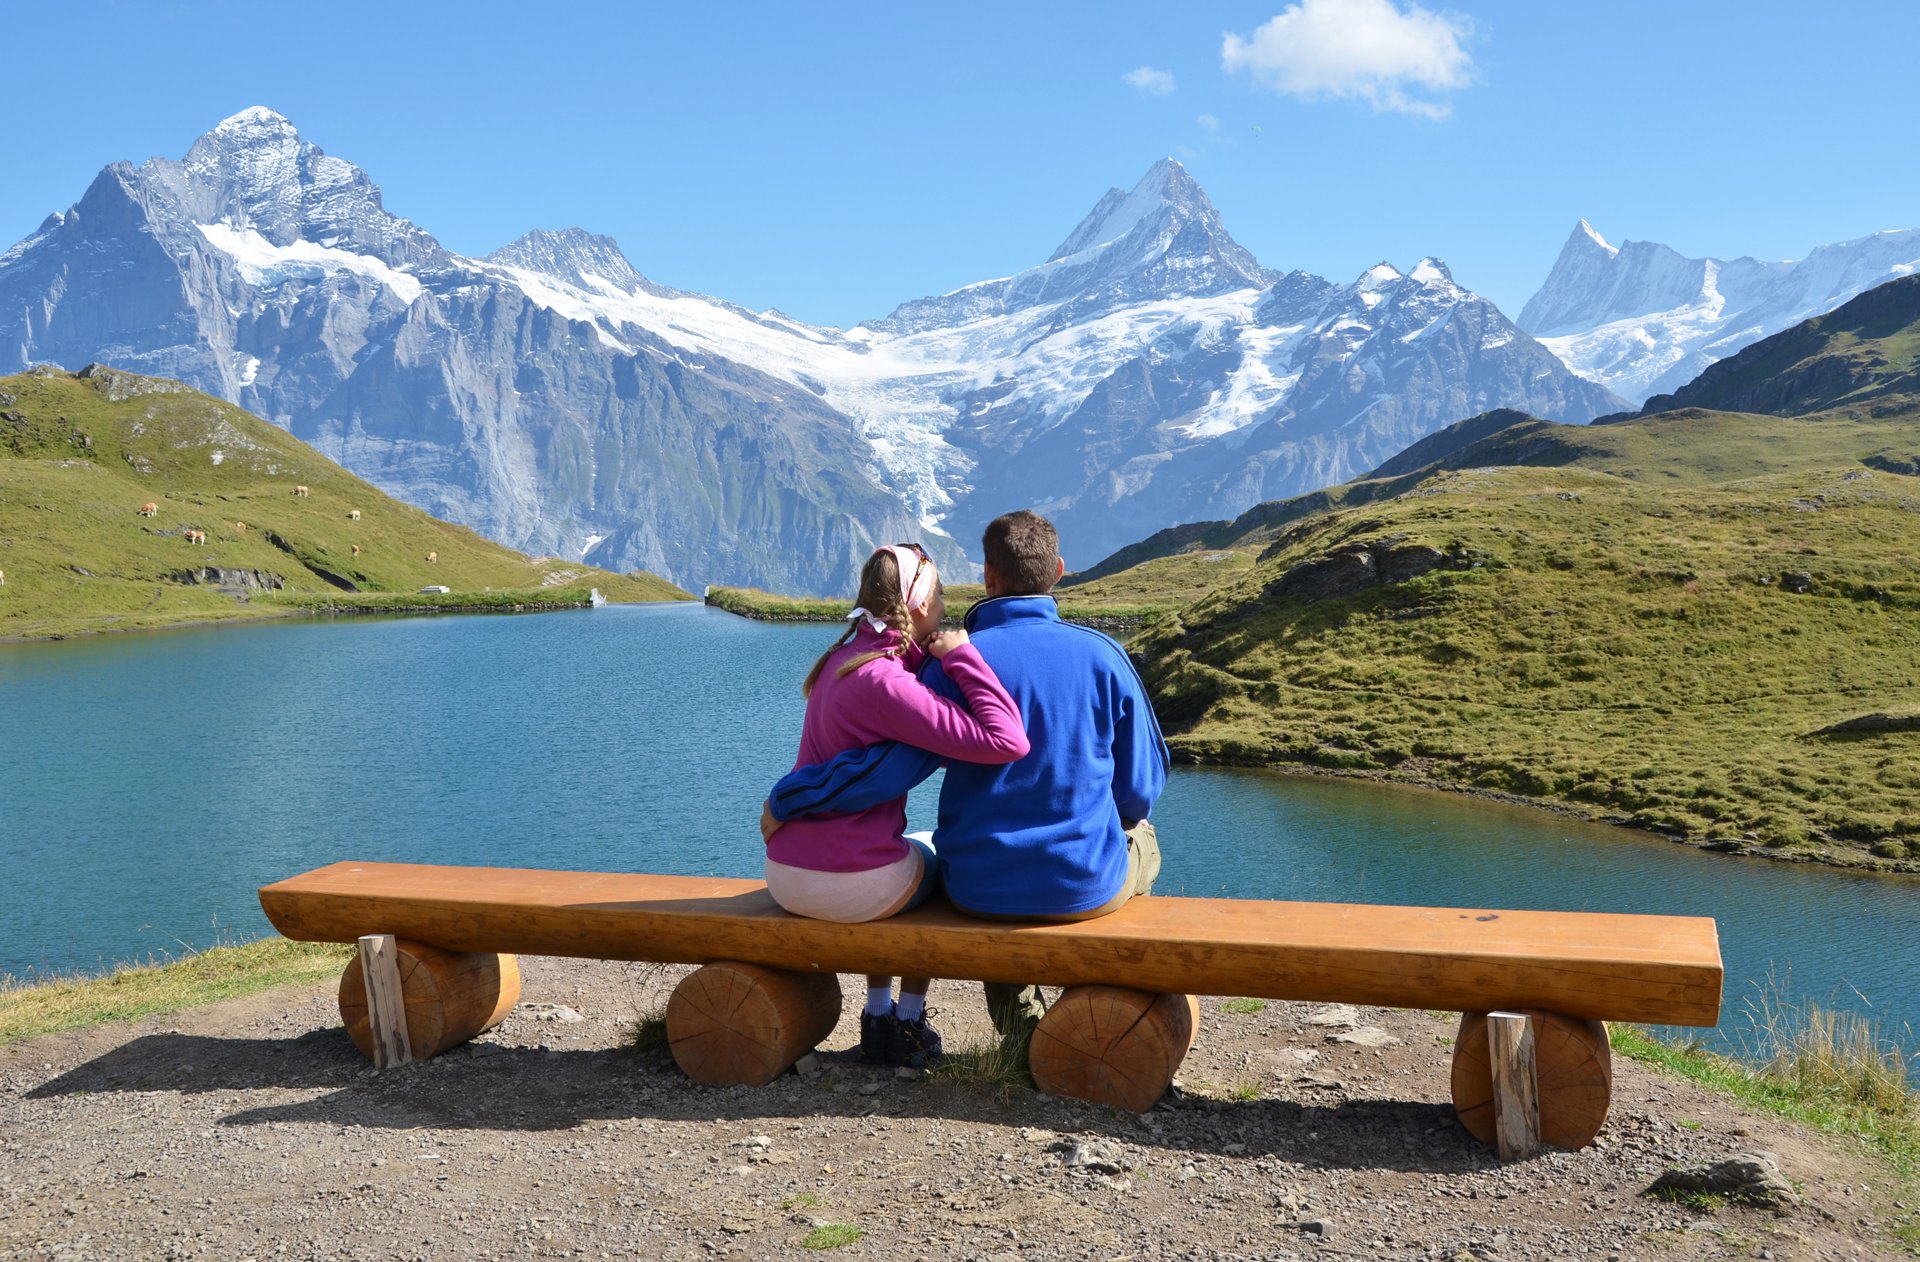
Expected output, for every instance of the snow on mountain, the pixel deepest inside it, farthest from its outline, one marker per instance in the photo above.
(1643, 319)
(1149, 372)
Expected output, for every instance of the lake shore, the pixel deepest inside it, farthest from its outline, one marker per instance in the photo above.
(1405, 777)
(408, 606)
(253, 1119)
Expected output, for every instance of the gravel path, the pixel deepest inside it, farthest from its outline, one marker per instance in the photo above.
(252, 1129)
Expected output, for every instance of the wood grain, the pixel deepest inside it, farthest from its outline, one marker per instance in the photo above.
(449, 996)
(734, 1023)
(1516, 1100)
(1112, 1045)
(1573, 1072)
(1663, 969)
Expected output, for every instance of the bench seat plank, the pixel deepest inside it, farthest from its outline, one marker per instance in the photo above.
(1601, 966)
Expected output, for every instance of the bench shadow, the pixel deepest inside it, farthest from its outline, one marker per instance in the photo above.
(503, 1088)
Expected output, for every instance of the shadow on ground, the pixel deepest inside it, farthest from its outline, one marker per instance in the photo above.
(507, 1088)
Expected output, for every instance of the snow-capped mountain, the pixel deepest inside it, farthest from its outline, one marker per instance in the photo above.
(1643, 319)
(1150, 371)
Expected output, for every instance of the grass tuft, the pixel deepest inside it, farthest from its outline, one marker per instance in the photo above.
(1243, 1006)
(998, 1063)
(831, 1236)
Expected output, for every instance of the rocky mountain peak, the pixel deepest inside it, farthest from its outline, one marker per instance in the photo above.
(584, 259)
(1165, 197)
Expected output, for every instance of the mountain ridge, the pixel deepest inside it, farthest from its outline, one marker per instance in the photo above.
(555, 398)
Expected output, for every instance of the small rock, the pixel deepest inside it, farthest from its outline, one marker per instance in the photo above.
(1319, 1228)
(1102, 1156)
(1753, 1177)
(551, 1012)
(872, 1088)
(752, 1141)
(1365, 1036)
(1335, 1014)
(809, 1065)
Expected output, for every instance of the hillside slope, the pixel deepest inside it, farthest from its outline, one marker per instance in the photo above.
(1704, 623)
(82, 453)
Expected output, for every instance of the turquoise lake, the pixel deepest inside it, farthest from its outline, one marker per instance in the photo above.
(150, 783)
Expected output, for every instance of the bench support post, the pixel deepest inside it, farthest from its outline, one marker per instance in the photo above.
(1572, 1074)
(1516, 1088)
(733, 1023)
(1111, 1045)
(404, 1001)
(386, 1005)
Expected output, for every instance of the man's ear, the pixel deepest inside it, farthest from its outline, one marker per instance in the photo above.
(989, 579)
(1059, 568)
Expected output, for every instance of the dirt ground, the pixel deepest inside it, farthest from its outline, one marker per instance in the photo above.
(253, 1129)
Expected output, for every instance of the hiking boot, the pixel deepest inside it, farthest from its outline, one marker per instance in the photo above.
(914, 1044)
(876, 1036)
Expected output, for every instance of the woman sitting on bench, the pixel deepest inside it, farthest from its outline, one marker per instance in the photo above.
(864, 690)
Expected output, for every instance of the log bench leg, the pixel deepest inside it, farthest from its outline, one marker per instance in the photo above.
(1111, 1045)
(746, 1024)
(1573, 1074)
(445, 998)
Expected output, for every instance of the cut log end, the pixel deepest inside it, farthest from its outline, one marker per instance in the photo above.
(449, 996)
(1573, 1067)
(1111, 1045)
(746, 1024)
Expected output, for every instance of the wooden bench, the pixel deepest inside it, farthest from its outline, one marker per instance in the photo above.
(768, 992)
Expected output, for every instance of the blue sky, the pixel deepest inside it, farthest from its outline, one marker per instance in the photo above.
(836, 160)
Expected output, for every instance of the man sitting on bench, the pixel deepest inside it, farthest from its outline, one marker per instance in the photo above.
(1062, 834)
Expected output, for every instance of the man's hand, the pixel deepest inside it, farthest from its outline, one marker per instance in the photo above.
(768, 824)
(946, 642)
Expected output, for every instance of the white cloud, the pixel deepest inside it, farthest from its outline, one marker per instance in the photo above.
(1209, 122)
(1147, 79)
(1366, 49)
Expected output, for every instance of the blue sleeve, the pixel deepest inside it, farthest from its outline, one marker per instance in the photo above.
(1140, 759)
(862, 777)
(852, 781)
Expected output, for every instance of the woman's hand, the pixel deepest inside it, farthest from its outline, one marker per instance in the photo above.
(946, 642)
(768, 824)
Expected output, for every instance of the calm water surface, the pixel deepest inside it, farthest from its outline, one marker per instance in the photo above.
(150, 783)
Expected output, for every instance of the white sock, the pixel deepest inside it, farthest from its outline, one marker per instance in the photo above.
(880, 1000)
(911, 1006)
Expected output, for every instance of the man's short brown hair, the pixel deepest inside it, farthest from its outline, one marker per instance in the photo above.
(1024, 550)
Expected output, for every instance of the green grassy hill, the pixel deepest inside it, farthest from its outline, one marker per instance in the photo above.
(81, 453)
(1657, 621)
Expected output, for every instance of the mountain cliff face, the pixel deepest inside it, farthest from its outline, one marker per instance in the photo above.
(1641, 318)
(1150, 371)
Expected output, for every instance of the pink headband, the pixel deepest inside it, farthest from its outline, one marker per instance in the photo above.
(916, 577)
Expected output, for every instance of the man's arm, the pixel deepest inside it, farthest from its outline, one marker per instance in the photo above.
(852, 781)
(1140, 759)
(858, 778)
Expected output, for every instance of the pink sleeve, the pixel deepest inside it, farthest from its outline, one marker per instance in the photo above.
(915, 715)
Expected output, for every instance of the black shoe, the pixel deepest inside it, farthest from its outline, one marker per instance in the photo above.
(876, 1036)
(915, 1044)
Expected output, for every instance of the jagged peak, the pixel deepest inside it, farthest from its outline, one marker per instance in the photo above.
(1431, 271)
(1166, 187)
(1585, 237)
(573, 255)
(1379, 276)
(255, 118)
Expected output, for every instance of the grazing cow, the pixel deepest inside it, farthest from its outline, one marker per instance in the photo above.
(149, 509)
(3, 578)
(301, 490)
(240, 526)
(353, 515)
(433, 557)
(356, 549)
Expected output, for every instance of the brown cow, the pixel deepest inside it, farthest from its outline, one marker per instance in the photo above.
(149, 509)
(433, 557)
(240, 526)
(301, 490)
(356, 549)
